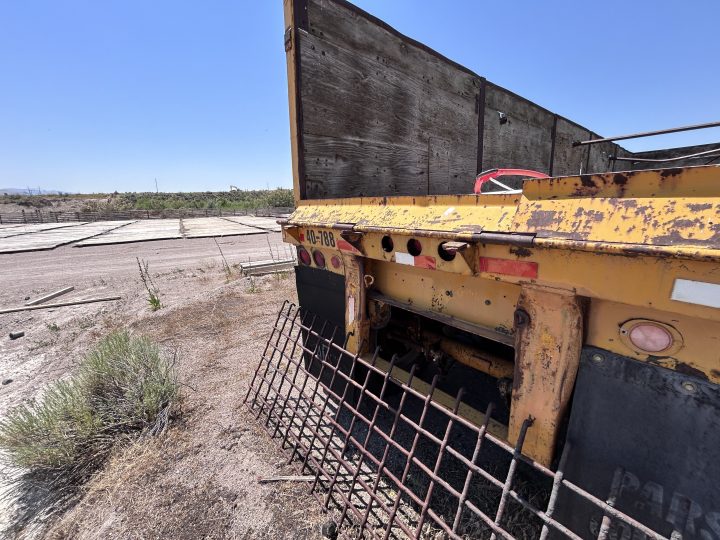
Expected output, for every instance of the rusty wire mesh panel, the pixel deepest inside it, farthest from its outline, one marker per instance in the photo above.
(390, 462)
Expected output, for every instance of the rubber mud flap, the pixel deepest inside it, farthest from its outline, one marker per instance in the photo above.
(321, 296)
(652, 436)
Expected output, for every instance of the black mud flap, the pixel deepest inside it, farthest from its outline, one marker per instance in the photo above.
(648, 437)
(321, 295)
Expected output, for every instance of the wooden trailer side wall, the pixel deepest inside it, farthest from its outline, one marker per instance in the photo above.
(375, 113)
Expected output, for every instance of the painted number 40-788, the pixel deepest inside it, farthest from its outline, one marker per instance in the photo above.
(323, 238)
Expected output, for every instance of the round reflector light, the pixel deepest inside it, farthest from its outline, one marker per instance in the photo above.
(335, 261)
(319, 259)
(303, 256)
(650, 337)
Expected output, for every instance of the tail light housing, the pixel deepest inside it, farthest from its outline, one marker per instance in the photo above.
(650, 337)
(303, 256)
(319, 259)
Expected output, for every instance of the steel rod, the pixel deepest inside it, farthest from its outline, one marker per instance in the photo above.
(678, 158)
(648, 133)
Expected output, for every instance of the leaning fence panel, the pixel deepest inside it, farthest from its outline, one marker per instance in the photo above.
(391, 462)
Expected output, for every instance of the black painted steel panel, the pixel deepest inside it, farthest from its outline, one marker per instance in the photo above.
(655, 434)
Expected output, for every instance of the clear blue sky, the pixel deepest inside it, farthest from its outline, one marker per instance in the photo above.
(108, 95)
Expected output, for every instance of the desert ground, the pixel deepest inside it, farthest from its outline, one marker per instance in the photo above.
(199, 479)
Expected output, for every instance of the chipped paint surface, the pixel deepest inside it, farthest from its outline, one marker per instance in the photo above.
(547, 355)
(657, 213)
(603, 249)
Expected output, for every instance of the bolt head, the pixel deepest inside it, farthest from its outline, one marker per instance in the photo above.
(521, 318)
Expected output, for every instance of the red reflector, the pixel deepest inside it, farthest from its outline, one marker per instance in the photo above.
(319, 259)
(344, 245)
(303, 256)
(425, 261)
(509, 267)
(335, 261)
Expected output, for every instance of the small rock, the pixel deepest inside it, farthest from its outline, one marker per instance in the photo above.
(329, 529)
(6, 381)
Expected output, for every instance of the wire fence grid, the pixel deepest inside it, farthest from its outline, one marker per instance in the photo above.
(391, 462)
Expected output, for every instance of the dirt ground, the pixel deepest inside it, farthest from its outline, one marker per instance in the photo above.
(200, 478)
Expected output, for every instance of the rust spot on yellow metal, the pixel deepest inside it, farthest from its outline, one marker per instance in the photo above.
(357, 324)
(547, 355)
(520, 252)
(666, 210)
(687, 369)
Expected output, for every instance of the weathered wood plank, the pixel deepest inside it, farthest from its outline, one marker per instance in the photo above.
(61, 304)
(671, 153)
(345, 94)
(361, 168)
(523, 140)
(404, 122)
(50, 296)
(599, 157)
(568, 159)
(381, 114)
(367, 36)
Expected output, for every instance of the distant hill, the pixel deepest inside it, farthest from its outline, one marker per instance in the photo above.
(24, 191)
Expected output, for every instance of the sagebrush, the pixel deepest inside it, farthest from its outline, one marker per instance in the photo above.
(122, 388)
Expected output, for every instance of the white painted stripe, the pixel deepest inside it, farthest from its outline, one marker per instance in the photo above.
(404, 258)
(696, 292)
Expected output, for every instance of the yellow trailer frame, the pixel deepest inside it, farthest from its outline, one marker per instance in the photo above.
(607, 252)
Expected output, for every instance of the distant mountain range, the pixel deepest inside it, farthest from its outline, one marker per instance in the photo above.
(24, 191)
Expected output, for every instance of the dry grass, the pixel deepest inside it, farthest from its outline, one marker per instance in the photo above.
(124, 387)
(135, 483)
(200, 479)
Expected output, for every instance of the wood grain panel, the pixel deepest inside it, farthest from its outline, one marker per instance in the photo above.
(400, 122)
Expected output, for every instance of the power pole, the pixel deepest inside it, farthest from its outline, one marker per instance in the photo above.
(156, 188)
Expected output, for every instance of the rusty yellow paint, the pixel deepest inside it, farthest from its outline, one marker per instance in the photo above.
(357, 325)
(674, 213)
(618, 240)
(457, 214)
(483, 302)
(635, 280)
(675, 207)
(638, 286)
(493, 365)
(547, 354)
(699, 355)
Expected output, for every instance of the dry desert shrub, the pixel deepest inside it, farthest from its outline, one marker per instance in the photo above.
(123, 387)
